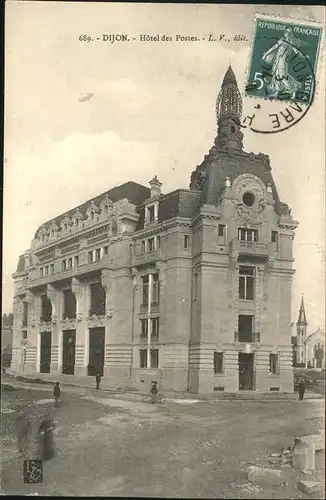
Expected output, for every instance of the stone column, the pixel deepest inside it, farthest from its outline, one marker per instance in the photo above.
(80, 290)
(231, 371)
(16, 336)
(107, 281)
(150, 295)
(286, 369)
(31, 345)
(56, 341)
(258, 297)
(262, 371)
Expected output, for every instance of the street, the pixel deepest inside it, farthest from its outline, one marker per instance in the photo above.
(123, 447)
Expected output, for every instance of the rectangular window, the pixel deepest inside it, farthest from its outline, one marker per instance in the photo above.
(25, 337)
(52, 269)
(273, 364)
(274, 237)
(142, 247)
(41, 272)
(246, 283)
(245, 328)
(98, 254)
(245, 234)
(46, 308)
(150, 245)
(221, 230)
(158, 241)
(143, 358)
(155, 327)
(90, 257)
(70, 263)
(144, 327)
(97, 299)
(25, 313)
(76, 261)
(69, 304)
(156, 289)
(154, 358)
(151, 213)
(145, 286)
(218, 362)
(186, 241)
(106, 250)
(64, 265)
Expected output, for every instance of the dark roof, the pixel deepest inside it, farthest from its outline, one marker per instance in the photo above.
(134, 192)
(217, 165)
(21, 264)
(179, 203)
(229, 77)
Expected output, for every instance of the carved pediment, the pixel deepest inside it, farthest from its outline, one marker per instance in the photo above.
(92, 212)
(65, 224)
(106, 205)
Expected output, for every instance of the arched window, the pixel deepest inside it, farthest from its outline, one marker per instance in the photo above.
(65, 226)
(92, 215)
(52, 233)
(114, 228)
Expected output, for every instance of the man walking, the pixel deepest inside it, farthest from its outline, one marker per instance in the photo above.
(98, 380)
(302, 388)
(56, 394)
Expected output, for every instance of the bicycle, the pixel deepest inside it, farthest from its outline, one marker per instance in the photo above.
(159, 398)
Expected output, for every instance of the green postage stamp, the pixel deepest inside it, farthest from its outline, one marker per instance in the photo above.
(284, 59)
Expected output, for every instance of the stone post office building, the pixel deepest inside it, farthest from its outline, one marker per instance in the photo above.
(191, 288)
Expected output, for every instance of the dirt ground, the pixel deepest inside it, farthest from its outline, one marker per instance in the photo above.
(118, 447)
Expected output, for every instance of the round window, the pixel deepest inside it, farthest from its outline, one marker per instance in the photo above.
(248, 199)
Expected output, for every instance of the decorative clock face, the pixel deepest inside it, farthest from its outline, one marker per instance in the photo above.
(250, 198)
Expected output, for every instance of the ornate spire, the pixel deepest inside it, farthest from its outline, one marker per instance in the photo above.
(302, 314)
(228, 113)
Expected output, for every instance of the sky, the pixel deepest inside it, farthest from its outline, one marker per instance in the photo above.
(152, 111)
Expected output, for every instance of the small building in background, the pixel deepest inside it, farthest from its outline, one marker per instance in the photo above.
(316, 350)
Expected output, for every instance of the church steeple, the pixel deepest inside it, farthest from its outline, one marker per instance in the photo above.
(228, 113)
(302, 315)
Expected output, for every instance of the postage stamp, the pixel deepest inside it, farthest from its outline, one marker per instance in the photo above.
(283, 60)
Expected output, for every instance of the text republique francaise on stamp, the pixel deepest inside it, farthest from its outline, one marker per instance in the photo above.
(282, 71)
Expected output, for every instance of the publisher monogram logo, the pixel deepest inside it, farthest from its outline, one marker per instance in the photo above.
(33, 471)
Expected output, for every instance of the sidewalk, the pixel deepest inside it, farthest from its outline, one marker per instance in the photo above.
(46, 382)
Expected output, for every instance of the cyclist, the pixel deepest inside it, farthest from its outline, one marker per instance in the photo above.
(153, 391)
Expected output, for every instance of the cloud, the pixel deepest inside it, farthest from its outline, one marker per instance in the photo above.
(40, 186)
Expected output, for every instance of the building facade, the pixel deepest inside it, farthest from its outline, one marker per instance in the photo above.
(316, 350)
(190, 288)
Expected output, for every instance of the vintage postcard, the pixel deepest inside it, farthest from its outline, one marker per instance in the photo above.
(163, 322)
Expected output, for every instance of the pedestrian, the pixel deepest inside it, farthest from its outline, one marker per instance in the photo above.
(56, 394)
(46, 438)
(153, 391)
(302, 388)
(98, 380)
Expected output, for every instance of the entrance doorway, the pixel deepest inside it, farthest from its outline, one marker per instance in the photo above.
(68, 351)
(246, 372)
(45, 359)
(96, 350)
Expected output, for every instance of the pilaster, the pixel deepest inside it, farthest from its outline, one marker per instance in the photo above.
(262, 371)
(81, 292)
(54, 295)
